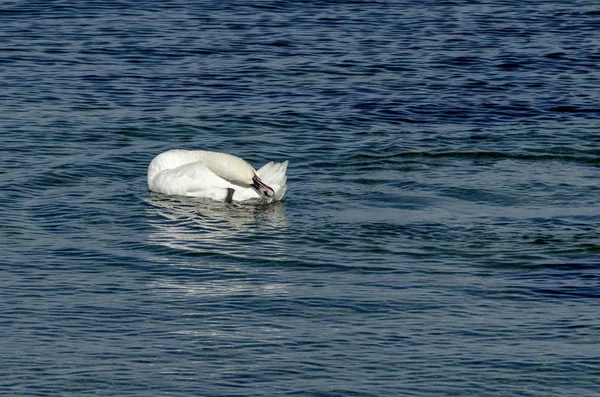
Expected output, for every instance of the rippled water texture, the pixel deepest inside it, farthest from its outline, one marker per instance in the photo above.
(440, 232)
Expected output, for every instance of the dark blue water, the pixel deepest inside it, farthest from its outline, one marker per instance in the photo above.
(440, 232)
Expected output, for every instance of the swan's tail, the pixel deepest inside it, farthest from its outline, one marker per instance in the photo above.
(273, 174)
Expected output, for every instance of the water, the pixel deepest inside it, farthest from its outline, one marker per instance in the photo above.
(440, 232)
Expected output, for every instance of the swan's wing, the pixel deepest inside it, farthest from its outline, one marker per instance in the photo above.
(273, 174)
(192, 179)
(243, 194)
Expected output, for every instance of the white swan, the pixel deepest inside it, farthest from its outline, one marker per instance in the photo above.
(219, 176)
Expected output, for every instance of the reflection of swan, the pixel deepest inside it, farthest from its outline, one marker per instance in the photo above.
(212, 228)
(223, 250)
(219, 176)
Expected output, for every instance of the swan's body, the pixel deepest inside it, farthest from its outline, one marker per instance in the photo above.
(219, 176)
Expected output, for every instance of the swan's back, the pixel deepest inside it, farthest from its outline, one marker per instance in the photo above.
(170, 160)
(229, 167)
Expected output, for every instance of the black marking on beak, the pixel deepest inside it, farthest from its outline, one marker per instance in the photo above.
(261, 188)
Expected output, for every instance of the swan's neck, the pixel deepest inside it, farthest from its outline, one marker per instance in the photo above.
(231, 168)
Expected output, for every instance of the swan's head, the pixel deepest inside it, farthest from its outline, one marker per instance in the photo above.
(261, 188)
(237, 171)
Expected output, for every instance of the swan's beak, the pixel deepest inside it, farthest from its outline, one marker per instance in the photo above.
(261, 188)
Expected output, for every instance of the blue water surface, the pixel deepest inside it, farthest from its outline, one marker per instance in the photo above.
(440, 232)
